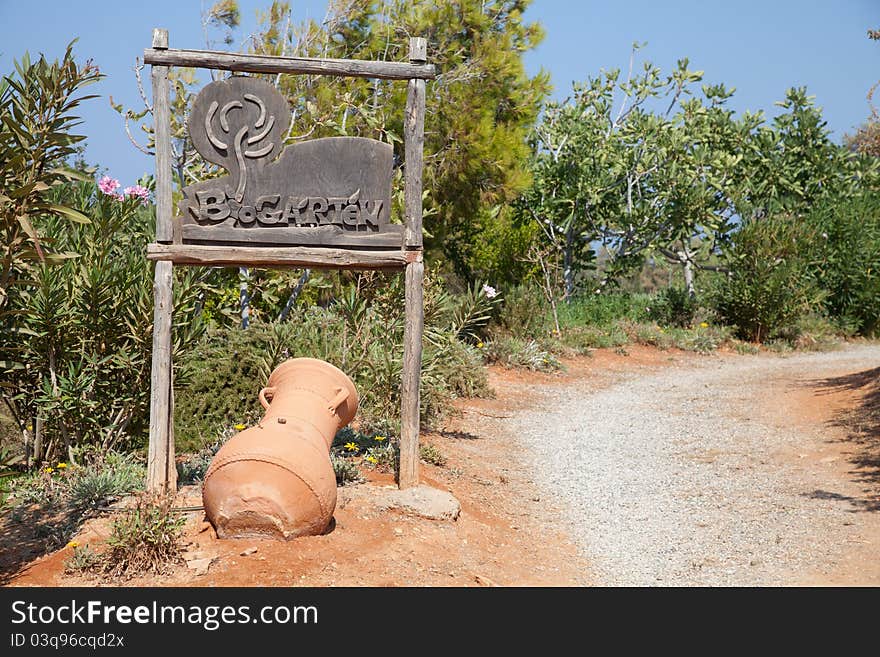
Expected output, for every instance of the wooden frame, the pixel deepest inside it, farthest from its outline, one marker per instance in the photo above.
(161, 470)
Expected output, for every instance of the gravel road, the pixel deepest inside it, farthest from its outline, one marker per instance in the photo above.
(674, 477)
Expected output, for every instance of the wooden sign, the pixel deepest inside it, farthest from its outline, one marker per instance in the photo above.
(319, 203)
(334, 191)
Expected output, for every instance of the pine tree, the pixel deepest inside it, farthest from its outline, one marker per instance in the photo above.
(479, 109)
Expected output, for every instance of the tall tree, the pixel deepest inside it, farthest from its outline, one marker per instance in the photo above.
(791, 164)
(867, 137)
(480, 108)
(634, 166)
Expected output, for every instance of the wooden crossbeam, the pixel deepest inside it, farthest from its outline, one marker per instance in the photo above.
(289, 256)
(243, 63)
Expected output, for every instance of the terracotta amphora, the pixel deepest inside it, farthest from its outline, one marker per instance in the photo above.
(275, 479)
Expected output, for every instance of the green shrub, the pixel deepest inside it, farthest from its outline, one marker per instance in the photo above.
(770, 283)
(80, 488)
(779, 345)
(11, 452)
(812, 333)
(451, 362)
(430, 454)
(703, 340)
(223, 374)
(673, 306)
(362, 334)
(649, 334)
(145, 539)
(81, 329)
(44, 489)
(845, 259)
(497, 254)
(604, 309)
(385, 457)
(450, 370)
(5, 485)
(525, 312)
(38, 112)
(516, 352)
(587, 322)
(583, 338)
(376, 450)
(745, 347)
(83, 560)
(346, 470)
(192, 469)
(105, 481)
(53, 501)
(347, 437)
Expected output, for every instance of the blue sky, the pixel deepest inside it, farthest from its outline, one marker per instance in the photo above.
(759, 47)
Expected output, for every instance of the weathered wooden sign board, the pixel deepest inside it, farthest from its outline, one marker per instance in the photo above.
(318, 203)
(324, 192)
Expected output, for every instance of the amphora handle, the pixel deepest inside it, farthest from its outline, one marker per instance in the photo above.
(336, 402)
(266, 391)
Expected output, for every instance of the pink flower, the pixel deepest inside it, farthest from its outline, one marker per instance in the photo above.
(108, 185)
(489, 291)
(137, 190)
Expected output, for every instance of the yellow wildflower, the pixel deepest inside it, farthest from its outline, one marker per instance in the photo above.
(61, 465)
(72, 544)
(479, 345)
(379, 438)
(704, 325)
(351, 447)
(371, 459)
(239, 427)
(50, 470)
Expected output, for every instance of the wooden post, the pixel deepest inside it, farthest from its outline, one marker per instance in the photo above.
(414, 129)
(162, 127)
(161, 469)
(414, 142)
(412, 368)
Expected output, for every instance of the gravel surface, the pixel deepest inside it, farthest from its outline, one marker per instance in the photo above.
(669, 478)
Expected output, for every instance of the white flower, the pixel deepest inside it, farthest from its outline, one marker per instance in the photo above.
(825, 235)
(489, 291)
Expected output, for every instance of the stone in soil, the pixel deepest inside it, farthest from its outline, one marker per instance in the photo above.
(422, 501)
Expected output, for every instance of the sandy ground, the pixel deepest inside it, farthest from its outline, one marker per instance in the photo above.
(513, 529)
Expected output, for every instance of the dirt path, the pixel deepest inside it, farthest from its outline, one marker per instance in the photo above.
(724, 471)
(648, 468)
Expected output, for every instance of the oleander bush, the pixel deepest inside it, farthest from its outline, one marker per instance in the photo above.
(770, 284)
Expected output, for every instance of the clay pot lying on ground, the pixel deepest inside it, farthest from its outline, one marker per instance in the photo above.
(275, 480)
